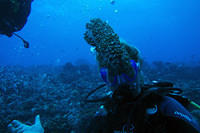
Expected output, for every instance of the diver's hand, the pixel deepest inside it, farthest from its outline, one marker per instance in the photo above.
(17, 127)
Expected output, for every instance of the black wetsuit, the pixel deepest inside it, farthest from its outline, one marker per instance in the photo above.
(170, 117)
(177, 117)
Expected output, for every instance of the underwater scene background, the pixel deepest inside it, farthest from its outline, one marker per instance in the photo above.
(53, 76)
(161, 30)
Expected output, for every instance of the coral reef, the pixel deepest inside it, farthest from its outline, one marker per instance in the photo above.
(25, 92)
(28, 91)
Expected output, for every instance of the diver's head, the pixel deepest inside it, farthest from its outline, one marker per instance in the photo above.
(125, 93)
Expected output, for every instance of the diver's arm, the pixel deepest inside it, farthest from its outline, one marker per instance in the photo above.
(178, 118)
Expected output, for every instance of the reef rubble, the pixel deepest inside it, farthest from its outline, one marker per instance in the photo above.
(57, 92)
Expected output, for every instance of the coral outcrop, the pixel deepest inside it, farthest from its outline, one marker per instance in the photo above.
(110, 52)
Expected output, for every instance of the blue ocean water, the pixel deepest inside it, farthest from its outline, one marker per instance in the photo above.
(55, 87)
(164, 30)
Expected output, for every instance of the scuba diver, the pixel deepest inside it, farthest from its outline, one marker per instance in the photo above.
(13, 17)
(130, 106)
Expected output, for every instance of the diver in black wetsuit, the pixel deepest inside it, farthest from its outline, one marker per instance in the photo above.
(155, 110)
(13, 17)
(131, 106)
